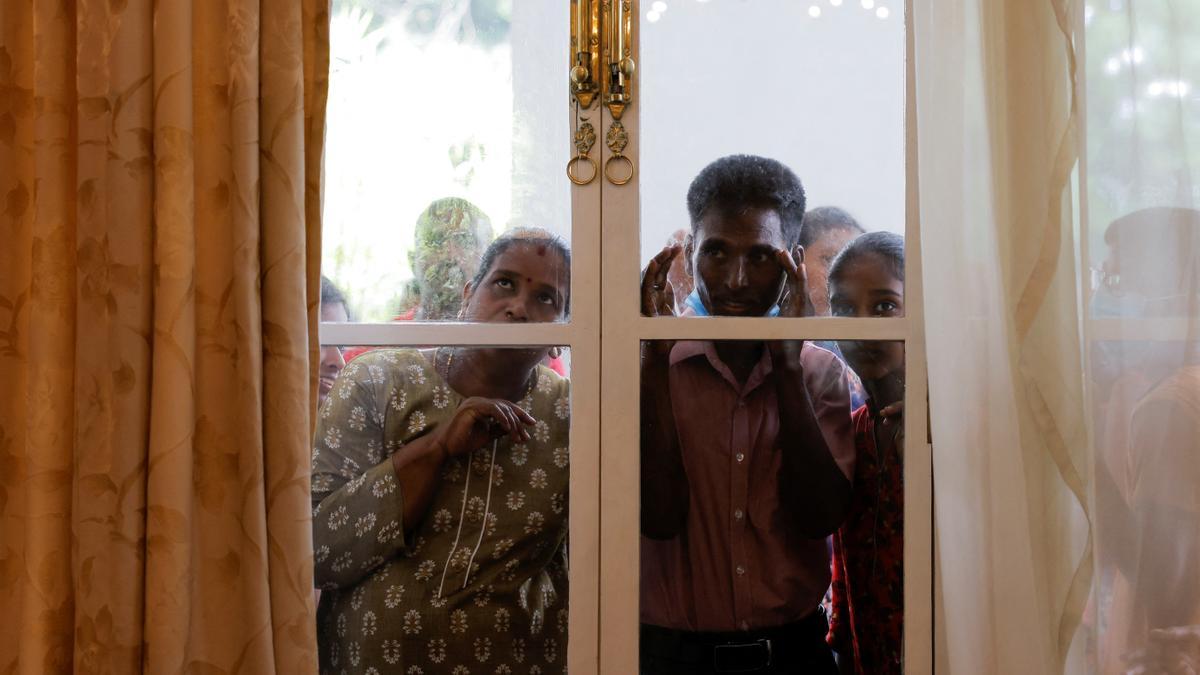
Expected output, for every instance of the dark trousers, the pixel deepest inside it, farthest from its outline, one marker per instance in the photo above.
(797, 648)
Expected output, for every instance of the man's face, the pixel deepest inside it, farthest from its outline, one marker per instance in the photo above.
(818, 257)
(732, 258)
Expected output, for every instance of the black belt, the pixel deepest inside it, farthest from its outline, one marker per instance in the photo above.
(734, 652)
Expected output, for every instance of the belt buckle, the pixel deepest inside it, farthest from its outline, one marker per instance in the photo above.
(742, 657)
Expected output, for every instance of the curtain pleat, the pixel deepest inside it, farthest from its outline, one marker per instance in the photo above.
(159, 207)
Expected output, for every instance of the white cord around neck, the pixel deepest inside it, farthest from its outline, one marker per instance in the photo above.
(487, 506)
(461, 513)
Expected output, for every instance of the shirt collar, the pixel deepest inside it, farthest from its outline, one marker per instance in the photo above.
(688, 349)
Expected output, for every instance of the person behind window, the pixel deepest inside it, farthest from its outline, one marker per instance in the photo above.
(440, 491)
(1148, 445)
(825, 232)
(867, 621)
(333, 308)
(746, 448)
(449, 237)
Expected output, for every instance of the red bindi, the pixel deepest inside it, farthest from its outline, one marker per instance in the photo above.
(541, 250)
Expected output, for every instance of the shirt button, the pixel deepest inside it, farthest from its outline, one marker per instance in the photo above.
(745, 625)
(741, 570)
(738, 514)
(741, 404)
(741, 458)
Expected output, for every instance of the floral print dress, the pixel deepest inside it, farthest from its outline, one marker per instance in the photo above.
(480, 584)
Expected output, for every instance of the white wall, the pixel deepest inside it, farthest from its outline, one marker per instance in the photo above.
(823, 95)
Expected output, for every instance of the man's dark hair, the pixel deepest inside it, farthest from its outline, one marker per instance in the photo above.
(332, 295)
(888, 247)
(525, 236)
(733, 184)
(824, 220)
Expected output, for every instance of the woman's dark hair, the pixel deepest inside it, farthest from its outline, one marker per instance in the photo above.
(738, 182)
(886, 246)
(825, 219)
(525, 236)
(332, 295)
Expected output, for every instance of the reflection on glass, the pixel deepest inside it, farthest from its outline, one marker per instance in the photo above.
(1146, 392)
(761, 486)
(1149, 267)
(440, 136)
(1142, 122)
(842, 130)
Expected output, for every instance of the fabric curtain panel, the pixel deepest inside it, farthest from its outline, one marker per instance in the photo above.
(996, 148)
(159, 276)
(1028, 161)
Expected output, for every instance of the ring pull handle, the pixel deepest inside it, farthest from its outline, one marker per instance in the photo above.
(616, 140)
(585, 138)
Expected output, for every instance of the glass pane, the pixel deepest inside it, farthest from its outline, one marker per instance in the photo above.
(1143, 67)
(756, 69)
(1146, 429)
(772, 506)
(1143, 116)
(440, 495)
(446, 127)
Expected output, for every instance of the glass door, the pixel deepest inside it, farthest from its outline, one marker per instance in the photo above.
(461, 291)
(471, 145)
(757, 128)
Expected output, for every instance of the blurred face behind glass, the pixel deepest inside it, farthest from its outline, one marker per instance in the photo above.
(1145, 275)
(868, 288)
(331, 356)
(732, 260)
(818, 257)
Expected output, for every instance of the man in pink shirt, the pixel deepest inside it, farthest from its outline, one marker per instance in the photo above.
(746, 445)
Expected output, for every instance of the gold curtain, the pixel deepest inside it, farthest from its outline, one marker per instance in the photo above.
(159, 276)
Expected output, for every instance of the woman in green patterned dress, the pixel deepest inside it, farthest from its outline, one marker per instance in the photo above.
(440, 492)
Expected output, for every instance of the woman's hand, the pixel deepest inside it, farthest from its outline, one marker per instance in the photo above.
(480, 420)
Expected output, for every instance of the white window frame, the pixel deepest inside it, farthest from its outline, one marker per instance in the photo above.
(582, 335)
(624, 329)
(604, 334)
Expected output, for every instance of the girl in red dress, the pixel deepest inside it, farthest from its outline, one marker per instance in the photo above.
(867, 619)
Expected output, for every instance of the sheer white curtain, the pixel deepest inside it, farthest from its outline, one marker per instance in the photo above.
(1065, 402)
